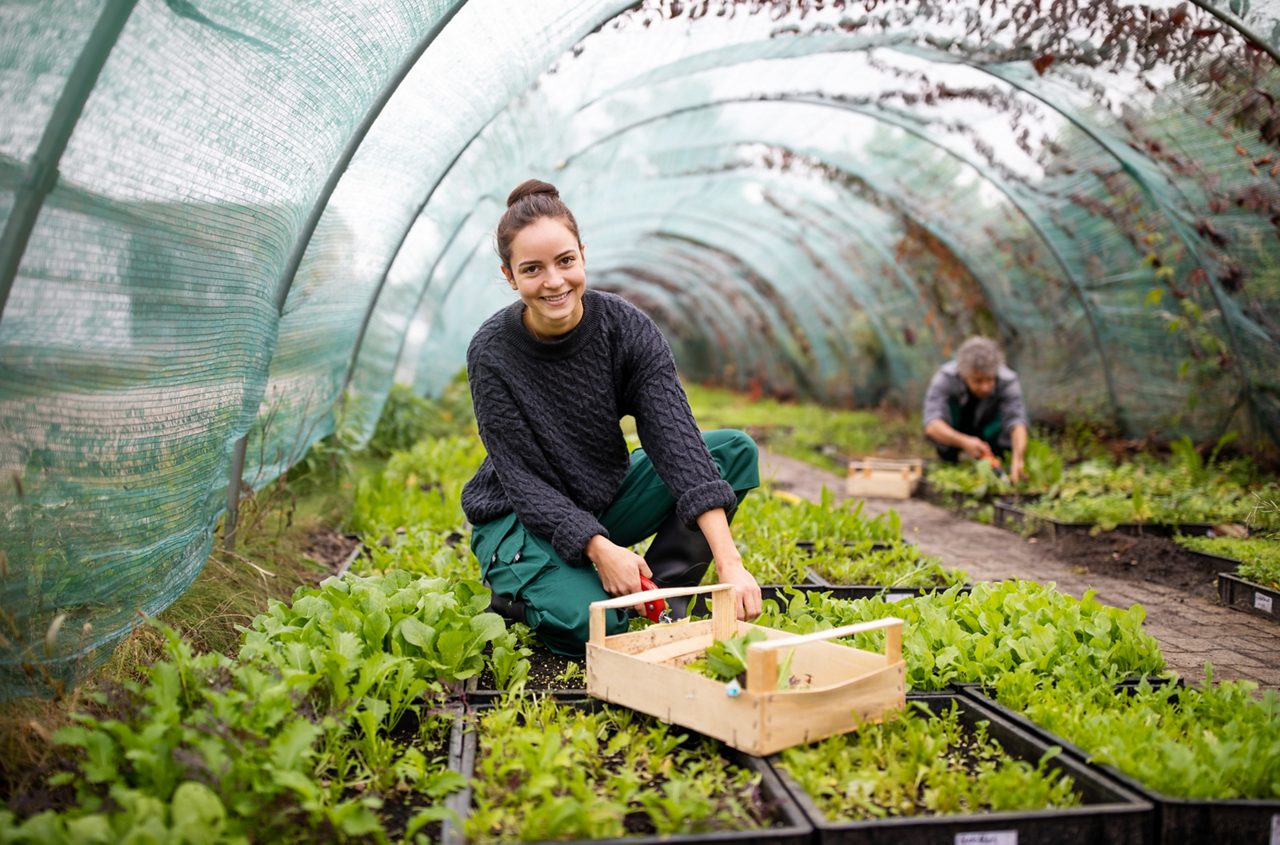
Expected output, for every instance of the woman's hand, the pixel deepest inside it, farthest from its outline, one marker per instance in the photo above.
(746, 593)
(729, 569)
(619, 567)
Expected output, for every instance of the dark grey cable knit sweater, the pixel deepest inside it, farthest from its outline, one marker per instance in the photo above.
(548, 415)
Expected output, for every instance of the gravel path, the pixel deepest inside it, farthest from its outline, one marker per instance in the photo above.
(1191, 629)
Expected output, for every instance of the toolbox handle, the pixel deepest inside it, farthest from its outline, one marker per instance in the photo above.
(723, 622)
(762, 657)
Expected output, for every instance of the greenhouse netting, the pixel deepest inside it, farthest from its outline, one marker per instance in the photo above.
(230, 227)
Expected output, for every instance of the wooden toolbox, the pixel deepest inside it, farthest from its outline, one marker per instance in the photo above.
(883, 478)
(844, 686)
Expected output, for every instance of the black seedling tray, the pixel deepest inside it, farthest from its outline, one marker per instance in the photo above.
(1177, 821)
(792, 826)
(809, 545)
(1234, 591)
(776, 592)
(1111, 813)
(1011, 516)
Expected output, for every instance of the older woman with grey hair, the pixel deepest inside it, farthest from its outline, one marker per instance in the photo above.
(974, 406)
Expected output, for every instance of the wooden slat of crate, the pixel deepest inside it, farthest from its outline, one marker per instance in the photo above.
(883, 478)
(644, 670)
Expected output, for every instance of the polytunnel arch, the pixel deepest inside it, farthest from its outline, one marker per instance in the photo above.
(905, 126)
(263, 219)
(1019, 85)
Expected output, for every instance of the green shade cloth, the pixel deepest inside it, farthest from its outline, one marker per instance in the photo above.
(266, 213)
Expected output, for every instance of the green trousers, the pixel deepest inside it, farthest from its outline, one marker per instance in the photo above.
(522, 566)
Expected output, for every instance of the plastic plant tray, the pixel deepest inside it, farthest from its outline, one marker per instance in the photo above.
(1111, 813)
(1177, 821)
(1235, 592)
(1010, 515)
(843, 592)
(791, 826)
(862, 591)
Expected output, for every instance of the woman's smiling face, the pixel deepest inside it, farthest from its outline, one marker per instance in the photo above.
(548, 271)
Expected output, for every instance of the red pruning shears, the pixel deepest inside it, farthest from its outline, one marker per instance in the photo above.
(995, 466)
(656, 610)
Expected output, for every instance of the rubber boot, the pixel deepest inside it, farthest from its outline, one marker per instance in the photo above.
(509, 609)
(678, 557)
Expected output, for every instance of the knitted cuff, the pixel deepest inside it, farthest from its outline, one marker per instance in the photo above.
(570, 539)
(709, 496)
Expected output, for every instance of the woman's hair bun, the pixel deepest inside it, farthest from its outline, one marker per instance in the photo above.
(531, 187)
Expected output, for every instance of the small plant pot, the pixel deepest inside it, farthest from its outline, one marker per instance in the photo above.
(1237, 593)
(1111, 813)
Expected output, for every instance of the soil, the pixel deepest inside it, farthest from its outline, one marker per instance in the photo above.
(546, 672)
(399, 808)
(331, 549)
(1157, 560)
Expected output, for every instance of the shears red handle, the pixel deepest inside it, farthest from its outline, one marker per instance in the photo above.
(655, 609)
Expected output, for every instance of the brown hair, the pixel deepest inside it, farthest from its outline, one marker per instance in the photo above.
(529, 202)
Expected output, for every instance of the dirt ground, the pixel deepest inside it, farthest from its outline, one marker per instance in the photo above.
(335, 551)
(1177, 589)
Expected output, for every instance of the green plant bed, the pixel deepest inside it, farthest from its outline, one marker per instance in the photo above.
(768, 528)
(1182, 490)
(882, 565)
(1208, 756)
(1031, 519)
(208, 748)
(976, 635)
(822, 436)
(543, 770)
(950, 767)
(418, 488)
(1258, 557)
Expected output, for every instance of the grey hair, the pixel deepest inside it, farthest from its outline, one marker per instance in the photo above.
(979, 356)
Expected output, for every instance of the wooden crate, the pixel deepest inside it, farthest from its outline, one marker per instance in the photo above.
(883, 478)
(645, 670)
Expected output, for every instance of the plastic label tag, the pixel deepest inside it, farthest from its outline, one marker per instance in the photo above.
(991, 837)
(898, 596)
(1275, 830)
(1263, 603)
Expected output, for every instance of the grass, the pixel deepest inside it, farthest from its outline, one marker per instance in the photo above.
(822, 436)
(269, 562)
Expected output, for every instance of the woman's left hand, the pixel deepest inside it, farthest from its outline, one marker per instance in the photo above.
(746, 591)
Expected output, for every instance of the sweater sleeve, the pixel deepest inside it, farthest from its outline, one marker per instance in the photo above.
(1012, 409)
(935, 399)
(668, 430)
(522, 471)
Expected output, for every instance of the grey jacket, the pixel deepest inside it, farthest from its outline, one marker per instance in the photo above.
(947, 394)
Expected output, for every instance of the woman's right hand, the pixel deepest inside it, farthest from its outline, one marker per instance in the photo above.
(619, 567)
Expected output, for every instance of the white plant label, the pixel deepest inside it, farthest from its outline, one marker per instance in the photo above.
(1275, 830)
(898, 596)
(1010, 837)
(1262, 602)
